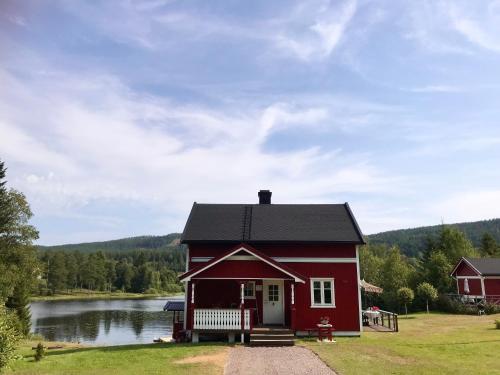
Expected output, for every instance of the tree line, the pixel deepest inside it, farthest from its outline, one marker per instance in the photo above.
(413, 242)
(422, 279)
(140, 271)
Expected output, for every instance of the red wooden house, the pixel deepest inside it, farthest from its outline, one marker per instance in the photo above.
(478, 279)
(280, 265)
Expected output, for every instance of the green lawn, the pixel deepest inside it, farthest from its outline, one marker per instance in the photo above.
(128, 359)
(426, 344)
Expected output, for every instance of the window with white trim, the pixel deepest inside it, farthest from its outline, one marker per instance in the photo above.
(249, 290)
(322, 293)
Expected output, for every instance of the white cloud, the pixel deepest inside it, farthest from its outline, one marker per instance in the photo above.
(318, 39)
(305, 31)
(469, 206)
(437, 89)
(451, 26)
(100, 141)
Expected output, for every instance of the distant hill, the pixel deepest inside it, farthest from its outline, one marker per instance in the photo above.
(171, 240)
(412, 241)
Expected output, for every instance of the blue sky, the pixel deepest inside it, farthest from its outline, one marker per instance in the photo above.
(116, 116)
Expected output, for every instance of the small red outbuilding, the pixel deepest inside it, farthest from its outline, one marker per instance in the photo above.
(478, 278)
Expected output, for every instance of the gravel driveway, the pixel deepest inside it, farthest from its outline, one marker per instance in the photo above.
(293, 360)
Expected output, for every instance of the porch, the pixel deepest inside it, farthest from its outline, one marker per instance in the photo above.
(233, 307)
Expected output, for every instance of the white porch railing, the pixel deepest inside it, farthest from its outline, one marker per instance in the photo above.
(220, 319)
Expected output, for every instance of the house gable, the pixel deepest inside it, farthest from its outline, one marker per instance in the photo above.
(465, 268)
(229, 264)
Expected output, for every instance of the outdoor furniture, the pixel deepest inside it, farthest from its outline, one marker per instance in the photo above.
(366, 320)
(373, 315)
(325, 331)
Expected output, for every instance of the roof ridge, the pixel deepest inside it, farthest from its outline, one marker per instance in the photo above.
(247, 223)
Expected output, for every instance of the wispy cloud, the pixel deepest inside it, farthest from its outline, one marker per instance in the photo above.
(145, 149)
(318, 39)
(437, 89)
(455, 26)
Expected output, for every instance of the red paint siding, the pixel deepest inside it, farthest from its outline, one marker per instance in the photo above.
(474, 287)
(243, 269)
(345, 316)
(465, 270)
(492, 286)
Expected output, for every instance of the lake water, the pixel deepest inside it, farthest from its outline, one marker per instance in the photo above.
(102, 322)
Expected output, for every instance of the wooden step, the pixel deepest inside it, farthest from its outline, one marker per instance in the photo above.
(272, 342)
(272, 330)
(272, 336)
(263, 336)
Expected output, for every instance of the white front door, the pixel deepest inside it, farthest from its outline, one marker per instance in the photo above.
(273, 302)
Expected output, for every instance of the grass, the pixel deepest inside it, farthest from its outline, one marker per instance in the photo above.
(167, 359)
(94, 295)
(426, 344)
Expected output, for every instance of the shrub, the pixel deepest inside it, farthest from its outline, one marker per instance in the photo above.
(40, 352)
(9, 337)
(497, 323)
(491, 308)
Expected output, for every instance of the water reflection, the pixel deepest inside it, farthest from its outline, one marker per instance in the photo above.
(101, 322)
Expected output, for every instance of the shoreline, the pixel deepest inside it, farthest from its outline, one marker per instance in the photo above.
(77, 296)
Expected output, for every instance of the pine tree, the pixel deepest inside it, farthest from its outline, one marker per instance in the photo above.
(57, 272)
(489, 246)
(19, 265)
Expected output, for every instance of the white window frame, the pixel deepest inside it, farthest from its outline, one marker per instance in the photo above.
(253, 289)
(322, 304)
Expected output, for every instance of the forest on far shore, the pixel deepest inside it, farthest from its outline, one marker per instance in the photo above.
(136, 271)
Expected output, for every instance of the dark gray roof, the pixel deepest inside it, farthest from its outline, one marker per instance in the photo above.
(176, 305)
(487, 266)
(271, 223)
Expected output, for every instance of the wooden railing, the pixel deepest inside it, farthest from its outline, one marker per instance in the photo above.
(221, 319)
(383, 318)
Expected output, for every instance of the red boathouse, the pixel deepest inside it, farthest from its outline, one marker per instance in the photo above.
(478, 279)
(280, 265)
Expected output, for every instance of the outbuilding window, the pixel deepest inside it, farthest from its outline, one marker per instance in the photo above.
(322, 293)
(249, 291)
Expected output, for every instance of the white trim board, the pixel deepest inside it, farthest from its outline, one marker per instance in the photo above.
(469, 277)
(359, 290)
(239, 278)
(283, 259)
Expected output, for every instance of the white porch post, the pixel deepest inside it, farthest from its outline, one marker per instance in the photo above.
(482, 287)
(192, 294)
(242, 310)
(194, 336)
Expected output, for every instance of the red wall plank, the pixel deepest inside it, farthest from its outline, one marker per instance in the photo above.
(474, 287)
(492, 286)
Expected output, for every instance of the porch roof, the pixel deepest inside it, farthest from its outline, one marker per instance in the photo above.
(250, 250)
